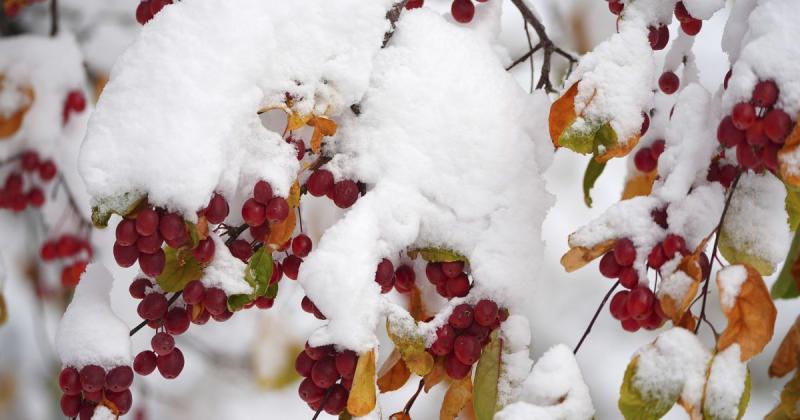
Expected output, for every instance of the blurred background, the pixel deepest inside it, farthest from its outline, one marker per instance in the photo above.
(243, 369)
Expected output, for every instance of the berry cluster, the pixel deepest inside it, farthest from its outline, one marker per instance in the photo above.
(74, 103)
(140, 236)
(154, 308)
(74, 252)
(401, 279)
(449, 278)
(344, 193)
(462, 10)
(646, 159)
(26, 187)
(84, 389)
(328, 377)
(757, 129)
(467, 331)
(301, 247)
(724, 174)
(149, 8)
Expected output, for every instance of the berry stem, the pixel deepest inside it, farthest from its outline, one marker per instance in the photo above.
(410, 402)
(233, 234)
(322, 404)
(549, 48)
(53, 18)
(594, 318)
(714, 253)
(141, 325)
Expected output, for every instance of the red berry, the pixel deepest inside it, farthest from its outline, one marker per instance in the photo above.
(747, 157)
(144, 363)
(119, 378)
(629, 277)
(457, 287)
(35, 197)
(69, 381)
(673, 244)
(177, 321)
(277, 210)
(345, 192)
(70, 405)
(743, 115)
(624, 252)
(452, 269)
(222, 317)
(640, 302)
(384, 274)
(663, 37)
(125, 256)
(262, 192)
(691, 26)
(122, 400)
(171, 226)
(337, 400)
(153, 307)
(454, 368)
(162, 343)
(309, 392)
(146, 222)
(609, 266)
(149, 244)
(346, 363)
(653, 321)
(630, 325)
(461, 317)
(217, 209)
(291, 266)
(656, 258)
(414, 4)
(765, 94)
(241, 249)
(434, 273)
(318, 353)
(253, 212)
(49, 251)
(303, 364)
(93, 378)
(681, 13)
(194, 292)
(615, 6)
(467, 349)
(301, 245)
(215, 301)
(47, 170)
(657, 148)
(153, 264)
(727, 133)
(263, 302)
(204, 251)
(320, 182)
(485, 313)
(126, 232)
(143, 14)
(76, 101)
(463, 11)
(769, 156)
(138, 287)
(324, 373)
(170, 365)
(644, 161)
(755, 135)
(619, 306)
(30, 160)
(669, 82)
(404, 279)
(777, 125)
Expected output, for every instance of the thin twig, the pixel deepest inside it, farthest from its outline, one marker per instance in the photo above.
(410, 402)
(53, 18)
(233, 234)
(322, 403)
(143, 323)
(524, 57)
(547, 45)
(594, 318)
(714, 251)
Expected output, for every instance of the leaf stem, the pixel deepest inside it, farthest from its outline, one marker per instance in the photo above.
(410, 402)
(594, 318)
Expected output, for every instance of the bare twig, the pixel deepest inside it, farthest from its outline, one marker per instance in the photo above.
(594, 318)
(322, 403)
(714, 254)
(393, 15)
(53, 18)
(410, 402)
(524, 57)
(545, 43)
(234, 233)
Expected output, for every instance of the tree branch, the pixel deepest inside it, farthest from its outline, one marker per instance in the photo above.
(594, 318)
(545, 43)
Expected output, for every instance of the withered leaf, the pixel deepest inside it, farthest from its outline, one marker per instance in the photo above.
(786, 358)
(393, 374)
(788, 166)
(362, 394)
(639, 185)
(579, 256)
(436, 375)
(323, 126)
(456, 398)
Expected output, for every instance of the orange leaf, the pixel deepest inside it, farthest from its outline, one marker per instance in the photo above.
(751, 317)
(362, 394)
(197, 310)
(415, 305)
(11, 123)
(279, 233)
(786, 358)
(789, 170)
(619, 149)
(296, 121)
(394, 373)
(562, 113)
(690, 266)
(323, 126)
(687, 322)
(436, 375)
(202, 227)
(294, 196)
(578, 256)
(639, 185)
(456, 398)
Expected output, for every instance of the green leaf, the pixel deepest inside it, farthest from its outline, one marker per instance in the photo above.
(272, 291)
(122, 204)
(742, 253)
(259, 271)
(587, 137)
(487, 374)
(179, 269)
(237, 302)
(786, 286)
(593, 171)
(194, 237)
(793, 206)
(437, 255)
(635, 406)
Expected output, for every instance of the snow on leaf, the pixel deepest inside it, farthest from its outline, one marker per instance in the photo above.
(786, 358)
(362, 394)
(727, 390)
(690, 267)
(751, 316)
(411, 346)
(787, 286)
(593, 171)
(11, 123)
(431, 254)
(456, 398)
(394, 373)
(179, 269)
(487, 375)
(579, 256)
(635, 406)
(789, 406)
(123, 205)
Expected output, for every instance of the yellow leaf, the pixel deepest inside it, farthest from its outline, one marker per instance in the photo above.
(362, 394)
(3, 310)
(297, 121)
(456, 398)
(393, 374)
(751, 318)
(11, 123)
(279, 233)
(578, 256)
(416, 307)
(741, 253)
(202, 227)
(436, 375)
(323, 126)
(790, 173)
(639, 185)
(434, 255)
(786, 358)
(294, 196)
(412, 348)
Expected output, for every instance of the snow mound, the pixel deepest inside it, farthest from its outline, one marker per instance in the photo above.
(731, 279)
(90, 333)
(726, 384)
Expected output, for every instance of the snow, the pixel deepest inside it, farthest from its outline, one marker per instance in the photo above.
(736, 27)
(186, 113)
(769, 51)
(225, 271)
(756, 219)
(553, 390)
(730, 280)
(402, 145)
(90, 332)
(515, 358)
(105, 42)
(696, 215)
(673, 365)
(726, 383)
(102, 412)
